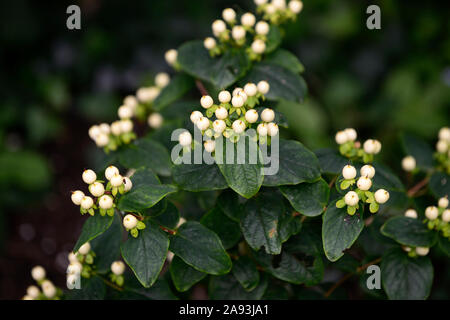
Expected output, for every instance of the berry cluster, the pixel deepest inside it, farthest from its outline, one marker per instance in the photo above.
(414, 252)
(233, 115)
(363, 185)
(350, 148)
(80, 264)
(104, 198)
(277, 11)
(49, 291)
(133, 224)
(111, 136)
(117, 270)
(437, 218)
(443, 149)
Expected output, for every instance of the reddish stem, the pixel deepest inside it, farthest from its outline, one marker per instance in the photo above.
(201, 88)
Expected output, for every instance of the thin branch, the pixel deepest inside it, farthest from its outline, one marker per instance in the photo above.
(170, 231)
(332, 182)
(201, 87)
(411, 192)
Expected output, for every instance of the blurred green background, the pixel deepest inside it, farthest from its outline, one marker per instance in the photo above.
(56, 82)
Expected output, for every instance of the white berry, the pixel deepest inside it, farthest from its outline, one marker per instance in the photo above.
(263, 87)
(270, 9)
(203, 123)
(84, 249)
(33, 292)
(74, 268)
(110, 172)
(218, 27)
(349, 172)
(155, 120)
(237, 101)
(102, 140)
(238, 126)
(224, 96)
(351, 134)
(89, 176)
(408, 163)
(125, 112)
(38, 273)
(209, 43)
(370, 146)
(260, 2)
(229, 15)
(94, 131)
(126, 125)
(195, 116)
(262, 129)
(48, 289)
(185, 138)
(77, 196)
(118, 268)
(219, 126)
(248, 19)
(87, 202)
(116, 128)
(97, 189)
(209, 145)
(221, 113)
(272, 129)
(443, 202)
(279, 4)
(444, 134)
(131, 102)
(411, 213)
(267, 115)
(367, 171)
(341, 137)
(446, 215)
(251, 116)
(364, 183)
(250, 89)
(206, 102)
(238, 33)
(130, 222)
(431, 212)
(262, 28)
(258, 46)
(381, 196)
(351, 198)
(105, 128)
(441, 146)
(162, 79)
(127, 184)
(116, 180)
(171, 56)
(295, 6)
(106, 202)
(422, 251)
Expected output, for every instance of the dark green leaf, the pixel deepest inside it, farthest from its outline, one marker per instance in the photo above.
(406, 278)
(419, 149)
(409, 232)
(273, 39)
(308, 241)
(146, 254)
(144, 197)
(296, 164)
(169, 218)
(92, 228)
(444, 245)
(244, 270)
(228, 288)
(198, 177)
(339, 231)
(331, 161)
(200, 248)
(440, 184)
(177, 88)
(227, 229)
(144, 176)
(160, 290)
(285, 59)
(183, 275)
(91, 289)
(290, 225)
(308, 199)
(228, 201)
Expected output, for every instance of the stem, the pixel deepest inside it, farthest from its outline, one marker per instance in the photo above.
(332, 181)
(172, 232)
(411, 192)
(107, 282)
(349, 275)
(201, 87)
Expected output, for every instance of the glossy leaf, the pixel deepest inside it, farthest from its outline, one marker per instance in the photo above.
(183, 275)
(227, 229)
(409, 232)
(179, 85)
(92, 228)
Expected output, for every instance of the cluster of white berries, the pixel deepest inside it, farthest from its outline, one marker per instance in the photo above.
(233, 115)
(438, 218)
(278, 11)
(239, 33)
(104, 198)
(49, 291)
(417, 251)
(133, 224)
(443, 149)
(409, 163)
(79, 265)
(362, 191)
(350, 148)
(117, 270)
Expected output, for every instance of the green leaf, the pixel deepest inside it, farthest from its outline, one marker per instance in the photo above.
(285, 59)
(144, 197)
(91, 289)
(198, 177)
(289, 225)
(330, 160)
(221, 71)
(228, 288)
(273, 39)
(260, 224)
(200, 248)
(183, 275)
(160, 290)
(146, 254)
(308, 241)
(144, 176)
(176, 89)
(339, 231)
(284, 84)
(406, 278)
(444, 245)
(227, 229)
(145, 152)
(419, 149)
(296, 164)
(169, 218)
(228, 202)
(245, 271)
(92, 228)
(409, 232)
(241, 175)
(440, 184)
(308, 199)
(107, 246)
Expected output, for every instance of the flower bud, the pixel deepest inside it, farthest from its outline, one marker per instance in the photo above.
(262, 28)
(38, 273)
(263, 87)
(364, 183)
(224, 96)
(238, 126)
(267, 115)
(118, 268)
(367, 171)
(349, 172)
(155, 120)
(77, 196)
(195, 116)
(411, 213)
(219, 126)
(206, 102)
(130, 222)
(89, 176)
(221, 113)
(431, 212)
(381, 196)
(251, 116)
(351, 198)
(106, 202)
(171, 56)
(97, 189)
(162, 79)
(85, 248)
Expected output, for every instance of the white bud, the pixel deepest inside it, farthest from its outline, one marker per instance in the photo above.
(203, 123)
(370, 146)
(155, 120)
(125, 112)
(106, 202)
(238, 32)
(162, 79)
(218, 27)
(89, 176)
(238, 126)
(116, 128)
(110, 172)
(248, 19)
(377, 146)
(263, 87)
(443, 202)
(84, 249)
(97, 189)
(118, 268)
(74, 268)
(94, 131)
(229, 15)
(127, 184)
(171, 56)
(260, 2)
(116, 180)
(272, 129)
(381, 196)
(185, 138)
(195, 116)
(367, 171)
(104, 128)
(279, 4)
(444, 134)
(48, 289)
(431, 212)
(364, 183)
(206, 102)
(341, 137)
(351, 134)
(262, 129)
(351, 198)
(446, 215)
(87, 202)
(422, 251)
(258, 46)
(126, 125)
(237, 101)
(236, 91)
(442, 146)
(209, 43)
(262, 28)
(38, 273)
(408, 163)
(295, 6)
(270, 9)
(77, 196)
(130, 222)
(219, 126)
(251, 116)
(210, 145)
(33, 292)
(72, 257)
(349, 172)
(102, 140)
(147, 94)
(224, 96)
(267, 115)
(411, 213)
(221, 113)
(250, 89)
(131, 102)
